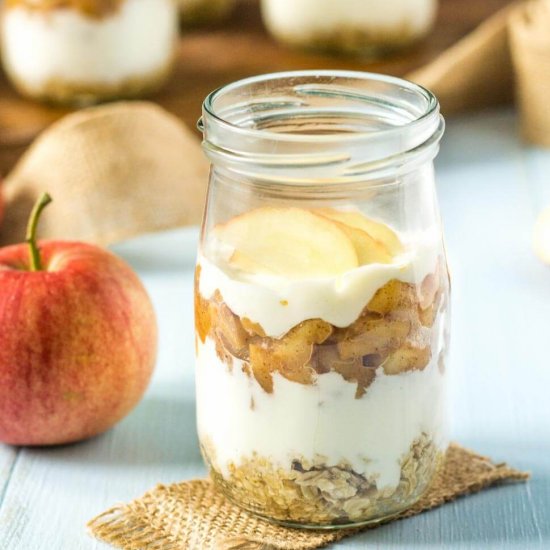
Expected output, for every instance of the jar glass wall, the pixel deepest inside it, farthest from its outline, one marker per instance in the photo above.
(322, 297)
(365, 27)
(86, 52)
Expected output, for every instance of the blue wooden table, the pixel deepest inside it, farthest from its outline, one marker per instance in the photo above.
(491, 187)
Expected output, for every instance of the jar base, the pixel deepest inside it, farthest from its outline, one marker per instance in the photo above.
(334, 525)
(325, 527)
(325, 498)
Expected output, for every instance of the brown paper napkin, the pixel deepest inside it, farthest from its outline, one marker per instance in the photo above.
(193, 515)
(114, 171)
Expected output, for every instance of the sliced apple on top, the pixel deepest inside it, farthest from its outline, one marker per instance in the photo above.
(368, 250)
(377, 230)
(290, 242)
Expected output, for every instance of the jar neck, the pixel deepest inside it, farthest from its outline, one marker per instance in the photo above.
(330, 128)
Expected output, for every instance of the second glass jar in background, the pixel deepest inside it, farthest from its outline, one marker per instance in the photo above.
(364, 27)
(322, 297)
(80, 53)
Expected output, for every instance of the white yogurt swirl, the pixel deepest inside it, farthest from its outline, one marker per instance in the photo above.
(279, 304)
(372, 434)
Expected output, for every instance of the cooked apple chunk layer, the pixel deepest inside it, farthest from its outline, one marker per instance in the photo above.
(290, 356)
(393, 333)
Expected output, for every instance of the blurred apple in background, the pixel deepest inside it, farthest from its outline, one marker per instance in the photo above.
(78, 340)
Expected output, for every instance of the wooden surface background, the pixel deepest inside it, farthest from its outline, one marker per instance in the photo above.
(239, 48)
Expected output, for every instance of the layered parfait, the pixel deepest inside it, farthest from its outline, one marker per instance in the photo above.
(320, 374)
(73, 51)
(352, 26)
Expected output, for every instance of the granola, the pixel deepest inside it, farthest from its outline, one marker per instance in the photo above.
(312, 492)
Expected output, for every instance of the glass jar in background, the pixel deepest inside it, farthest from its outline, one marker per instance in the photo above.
(86, 52)
(194, 13)
(322, 297)
(366, 27)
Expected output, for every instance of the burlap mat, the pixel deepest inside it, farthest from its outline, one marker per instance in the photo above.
(193, 516)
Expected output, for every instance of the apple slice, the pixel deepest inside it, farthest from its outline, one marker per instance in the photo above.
(381, 336)
(231, 332)
(291, 355)
(290, 242)
(368, 250)
(253, 329)
(394, 295)
(244, 263)
(377, 230)
(407, 358)
(351, 370)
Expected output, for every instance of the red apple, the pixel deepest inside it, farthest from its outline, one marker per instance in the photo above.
(78, 340)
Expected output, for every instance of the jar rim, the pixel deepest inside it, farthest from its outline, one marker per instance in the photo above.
(307, 127)
(208, 104)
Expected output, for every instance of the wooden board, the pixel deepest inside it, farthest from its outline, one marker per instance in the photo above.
(241, 47)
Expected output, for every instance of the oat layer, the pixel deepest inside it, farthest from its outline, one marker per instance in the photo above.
(313, 493)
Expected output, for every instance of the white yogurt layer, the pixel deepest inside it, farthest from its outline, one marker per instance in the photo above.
(372, 433)
(64, 44)
(302, 18)
(279, 304)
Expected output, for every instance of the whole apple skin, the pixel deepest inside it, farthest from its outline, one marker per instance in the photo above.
(78, 343)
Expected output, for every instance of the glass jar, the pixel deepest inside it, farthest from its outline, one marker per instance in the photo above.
(195, 13)
(77, 52)
(367, 27)
(322, 297)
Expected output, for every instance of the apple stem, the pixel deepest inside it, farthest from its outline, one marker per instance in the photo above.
(30, 239)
